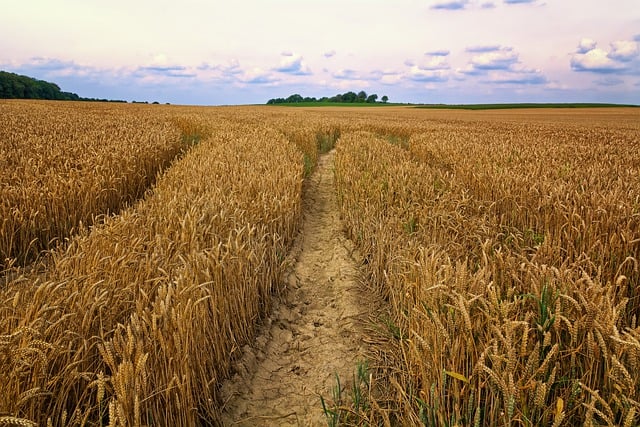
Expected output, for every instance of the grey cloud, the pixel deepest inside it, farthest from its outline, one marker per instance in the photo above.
(349, 74)
(484, 49)
(609, 81)
(261, 80)
(470, 70)
(52, 68)
(231, 68)
(429, 78)
(162, 69)
(532, 79)
(346, 74)
(438, 53)
(50, 64)
(380, 73)
(166, 71)
(435, 65)
(451, 5)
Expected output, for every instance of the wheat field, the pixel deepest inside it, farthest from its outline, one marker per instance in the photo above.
(508, 249)
(504, 244)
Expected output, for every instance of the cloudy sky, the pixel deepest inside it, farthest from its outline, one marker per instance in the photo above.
(247, 51)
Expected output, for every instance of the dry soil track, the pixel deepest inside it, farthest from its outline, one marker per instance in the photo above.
(315, 330)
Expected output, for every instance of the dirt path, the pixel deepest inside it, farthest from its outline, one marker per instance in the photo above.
(314, 331)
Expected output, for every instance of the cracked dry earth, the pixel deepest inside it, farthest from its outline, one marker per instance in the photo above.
(314, 331)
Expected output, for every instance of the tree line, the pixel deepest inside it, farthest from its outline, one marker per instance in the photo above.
(347, 97)
(16, 86)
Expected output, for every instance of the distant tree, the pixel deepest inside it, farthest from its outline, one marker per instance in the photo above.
(23, 87)
(349, 97)
(385, 98)
(18, 89)
(295, 98)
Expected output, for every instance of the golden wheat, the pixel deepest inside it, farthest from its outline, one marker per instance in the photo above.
(535, 229)
(136, 319)
(61, 166)
(506, 244)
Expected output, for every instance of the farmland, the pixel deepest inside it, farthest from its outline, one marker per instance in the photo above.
(143, 245)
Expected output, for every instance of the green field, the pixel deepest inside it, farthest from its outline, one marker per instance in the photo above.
(520, 105)
(457, 106)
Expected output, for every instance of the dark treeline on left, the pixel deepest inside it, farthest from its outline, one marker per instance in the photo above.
(16, 86)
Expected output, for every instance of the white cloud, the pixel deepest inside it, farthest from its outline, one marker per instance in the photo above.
(496, 60)
(623, 50)
(394, 78)
(596, 60)
(257, 75)
(620, 58)
(499, 66)
(586, 45)
(436, 63)
(291, 64)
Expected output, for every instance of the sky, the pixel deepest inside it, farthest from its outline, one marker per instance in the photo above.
(248, 51)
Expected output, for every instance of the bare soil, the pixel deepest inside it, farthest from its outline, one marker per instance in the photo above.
(315, 330)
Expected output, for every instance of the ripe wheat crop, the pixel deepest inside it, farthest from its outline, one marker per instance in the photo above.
(509, 251)
(136, 320)
(61, 166)
(505, 244)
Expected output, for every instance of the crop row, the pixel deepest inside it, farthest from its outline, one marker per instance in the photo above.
(500, 316)
(136, 321)
(61, 167)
